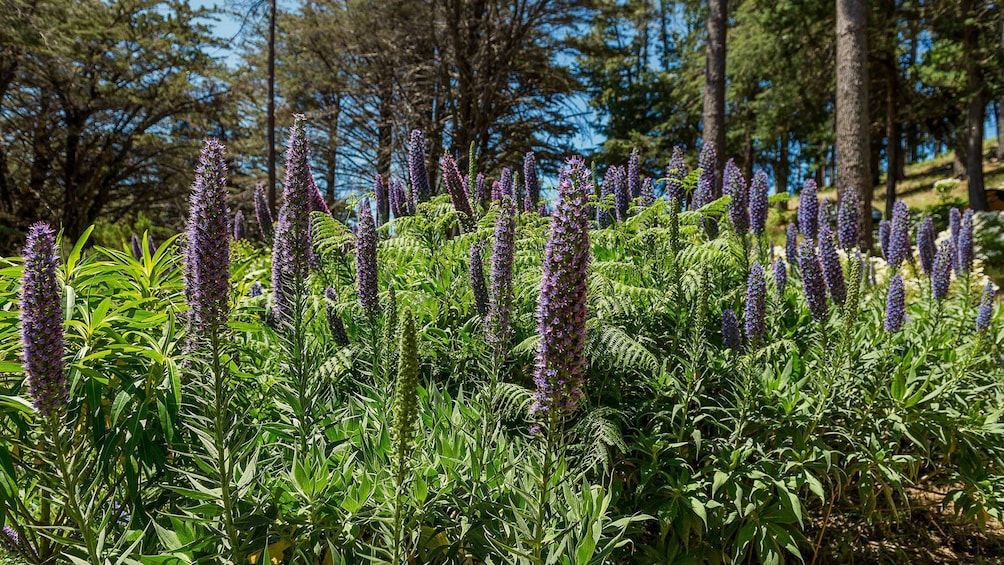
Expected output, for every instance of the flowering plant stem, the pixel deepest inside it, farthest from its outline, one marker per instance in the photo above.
(225, 468)
(550, 430)
(68, 475)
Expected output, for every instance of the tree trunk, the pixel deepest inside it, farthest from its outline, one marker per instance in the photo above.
(783, 166)
(892, 150)
(329, 176)
(714, 80)
(999, 113)
(270, 126)
(852, 109)
(977, 105)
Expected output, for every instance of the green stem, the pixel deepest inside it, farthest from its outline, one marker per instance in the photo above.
(545, 483)
(223, 465)
(69, 478)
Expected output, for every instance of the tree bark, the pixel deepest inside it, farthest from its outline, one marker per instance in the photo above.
(977, 104)
(783, 165)
(714, 80)
(852, 109)
(270, 126)
(892, 151)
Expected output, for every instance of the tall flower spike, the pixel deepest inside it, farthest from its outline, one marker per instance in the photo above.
(808, 210)
(507, 187)
(479, 191)
(735, 186)
(730, 330)
(291, 247)
(791, 245)
(833, 272)
(754, 316)
(603, 215)
(895, 305)
(416, 167)
(458, 194)
(500, 292)
(676, 171)
(758, 203)
(207, 244)
(393, 197)
(317, 203)
(263, 213)
(405, 396)
(622, 197)
(150, 245)
(477, 275)
(335, 324)
(827, 216)
(885, 238)
(382, 200)
(707, 181)
(812, 281)
(899, 235)
(497, 191)
(531, 177)
(986, 310)
(941, 273)
(42, 322)
(965, 243)
(851, 305)
(239, 231)
(647, 192)
(366, 260)
(926, 245)
(561, 359)
(136, 248)
(780, 277)
(955, 226)
(849, 219)
(634, 175)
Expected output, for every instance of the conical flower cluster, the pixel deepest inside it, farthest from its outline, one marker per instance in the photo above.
(634, 175)
(42, 322)
(500, 292)
(207, 244)
(926, 245)
(735, 186)
(417, 169)
(454, 183)
(808, 210)
(531, 178)
(986, 309)
(791, 245)
(965, 243)
(263, 213)
(849, 219)
(291, 248)
(813, 284)
(676, 171)
(833, 272)
(477, 276)
(405, 396)
(895, 305)
(561, 360)
(366, 260)
(240, 232)
(136, 248)
(941, 273)
(707, 181)
(780, 277)
(758, 203)
(899, 235)
(730, 330)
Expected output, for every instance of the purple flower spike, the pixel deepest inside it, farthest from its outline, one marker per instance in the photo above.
(808, 210)
(735, 186)
(42, 322)
(780, 277)
(827, 217)
(207, 244)
(151, 245)
(941, 273)
(255, 290)
(497, 322)
(382, 200)
(707, 181)
(506, 185)
(926, 245)
(531, 178)
(480, 194)
(965, 243)
(317, 203)
(986, 309)
(955, 224)
(833, 272)
(899, 235)
(730, 330)
(895, 305)
(263, 213)
(454, 183)
(622, 195)
(647, 192)
(758, 203)
(417, 168)
(291, 246)
(561, 314)
(240, 231)
(136, 247)
(812, 281)
(609, 186)
(676, 171)
(756, 304)
(366, 260)
(634, 175)
(885, 238)
(477, 276)
(791, 245)
(849, 219)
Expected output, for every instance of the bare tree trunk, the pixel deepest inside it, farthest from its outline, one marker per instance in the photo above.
(852, 109)
(977, 106)
(270, 126)
(892, 152)
(714, 79)
(783, 166)
(329, 177)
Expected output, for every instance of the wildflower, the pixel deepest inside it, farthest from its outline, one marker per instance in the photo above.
(561, 360)
(400, 202)
(791, 245)
(263, 213)
(255, 290)
(833, 272)
(955, 226)
(850, 312)
(416, 167)
(507, 186)
(207, 244)
(735, 186)
(634, 175)
(150, 245)
(756, 304)
(941, 273)
(849, 219)
(808, 210)
(366, 260)
(458, 193)
(477, 276)
(827, 218)
(405, 396)
(676, 171)
(531, 179)
(965, 243)
(136, 247)
(317, 203)
(239, 230)
(895, 305)
(707, 182)
(480, 196)
(291, 246)
(622, 196)
(885, 235)
(335, 324)
(9, 539)
(926, 245)
(500, 293)
(899, 235)
(780, 277)
(382, 200)
(603, 216)
(42, 322)
(730, 330)
(758, 203)
(986, 309)
(812, 281)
